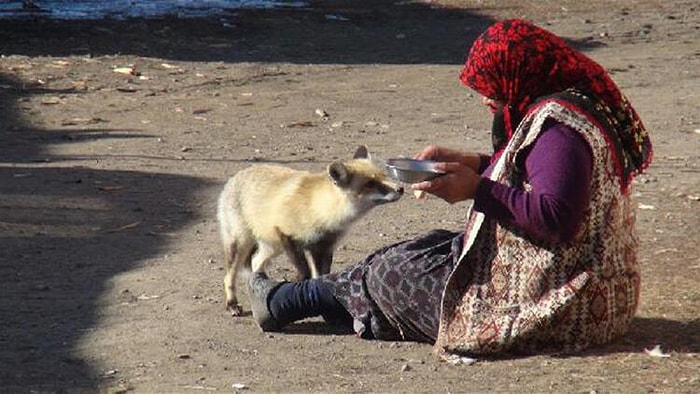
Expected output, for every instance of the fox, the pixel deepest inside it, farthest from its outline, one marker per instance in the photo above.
(266, 210)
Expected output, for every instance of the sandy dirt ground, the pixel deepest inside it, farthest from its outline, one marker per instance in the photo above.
(110, 263)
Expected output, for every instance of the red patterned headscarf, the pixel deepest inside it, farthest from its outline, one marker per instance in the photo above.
(516, 62)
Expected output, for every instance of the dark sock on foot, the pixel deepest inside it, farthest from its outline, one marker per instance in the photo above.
(294, 301)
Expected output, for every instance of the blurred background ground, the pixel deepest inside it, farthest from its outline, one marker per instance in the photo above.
(117, 136)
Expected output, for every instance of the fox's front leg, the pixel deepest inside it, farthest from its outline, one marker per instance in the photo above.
(322, 254)
(321, 259)
(296, 255)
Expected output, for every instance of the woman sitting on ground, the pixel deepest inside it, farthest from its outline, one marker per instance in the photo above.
(547, 258)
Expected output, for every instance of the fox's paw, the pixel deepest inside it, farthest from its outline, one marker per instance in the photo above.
(234, 309)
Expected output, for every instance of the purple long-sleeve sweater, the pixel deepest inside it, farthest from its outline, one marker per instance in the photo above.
(558, 168)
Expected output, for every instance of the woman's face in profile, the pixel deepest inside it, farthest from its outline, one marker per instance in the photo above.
(494, 105)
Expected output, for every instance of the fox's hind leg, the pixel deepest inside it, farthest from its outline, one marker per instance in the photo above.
(237, 257)
(230, 280)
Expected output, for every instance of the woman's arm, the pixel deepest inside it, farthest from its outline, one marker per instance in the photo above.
(558, 169)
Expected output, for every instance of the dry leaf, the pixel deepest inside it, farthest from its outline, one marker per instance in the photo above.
(51, 100)
(300, 123)
(455, 359)
(122, 228)
(124, 70)
(145, 297)
(200, 387)
(110, 188)
(656, 352)
(82, 121)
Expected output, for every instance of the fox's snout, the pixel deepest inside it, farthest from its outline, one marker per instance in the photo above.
(397, 194)
(387, 194)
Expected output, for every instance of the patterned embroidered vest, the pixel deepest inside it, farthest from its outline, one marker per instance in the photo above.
(510, 293)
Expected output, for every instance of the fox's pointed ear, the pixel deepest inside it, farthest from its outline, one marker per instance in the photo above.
(338, 174)
(362, 153)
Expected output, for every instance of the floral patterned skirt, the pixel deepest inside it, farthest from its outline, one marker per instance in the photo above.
(395, 293)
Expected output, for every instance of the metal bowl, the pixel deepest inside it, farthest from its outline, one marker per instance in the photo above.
(412, 170)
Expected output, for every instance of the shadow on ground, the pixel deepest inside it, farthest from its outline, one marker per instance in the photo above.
(672, 335)
(64, 232)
